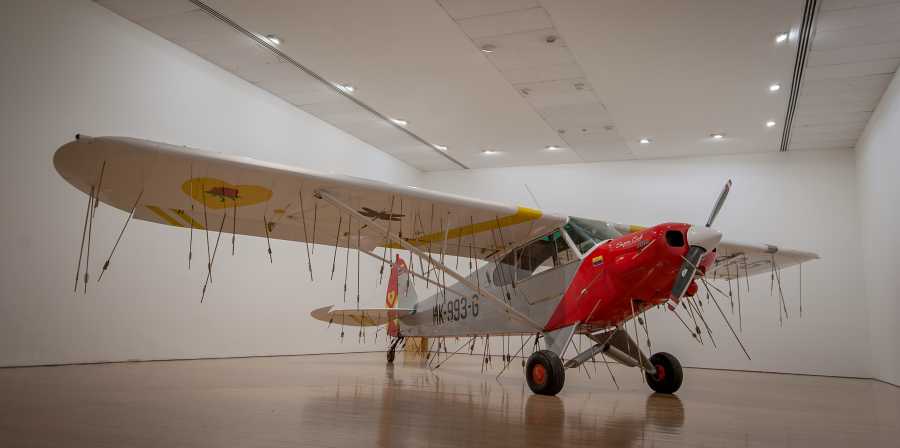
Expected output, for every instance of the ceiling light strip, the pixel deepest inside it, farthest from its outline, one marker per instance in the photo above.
(262, 41)
(807, 29)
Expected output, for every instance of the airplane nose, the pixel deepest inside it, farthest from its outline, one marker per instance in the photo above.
(705, 237)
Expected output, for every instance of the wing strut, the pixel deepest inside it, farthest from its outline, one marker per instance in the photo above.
(411, 272)
(406, 245)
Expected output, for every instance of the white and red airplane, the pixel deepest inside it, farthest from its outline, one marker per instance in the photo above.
(546, 275)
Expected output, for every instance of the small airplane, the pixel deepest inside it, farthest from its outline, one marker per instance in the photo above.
(531, 273)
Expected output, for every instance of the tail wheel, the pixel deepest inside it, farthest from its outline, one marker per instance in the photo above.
(545, 373)
(668, 376)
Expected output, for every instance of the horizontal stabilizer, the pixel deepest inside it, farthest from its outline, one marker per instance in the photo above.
(360, 317)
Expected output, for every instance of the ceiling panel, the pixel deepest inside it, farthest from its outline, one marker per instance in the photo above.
(543, 73)
(231, 51)
(827, 117)
(506, 23)
(853, 85)
(462, 9)
(526, 49)
(854, 54)
(853, 69)
(856, 36)
(193, 25)
(141, 11)
(546, 94)
(883, 13)
(578, 116)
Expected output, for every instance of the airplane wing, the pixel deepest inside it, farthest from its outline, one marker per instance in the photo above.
(739, 259)
(359, 317)
(190, 188)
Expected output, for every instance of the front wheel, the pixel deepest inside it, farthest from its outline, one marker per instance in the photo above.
(668, 377)
(545, 373)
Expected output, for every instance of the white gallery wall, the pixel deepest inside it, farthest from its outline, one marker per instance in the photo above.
(878, 166)
(73, 66)
(801, 200)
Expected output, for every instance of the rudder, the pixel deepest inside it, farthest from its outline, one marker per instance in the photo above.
(400, 292)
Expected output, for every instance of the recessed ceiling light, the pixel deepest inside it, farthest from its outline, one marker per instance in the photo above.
(781, 37)
(346, 87)
(488, 48)
(717, 136)
(273, 39)
(775, 87)
(489, 152)
(399, 122)
(553, 148)
(645, 141)
(770, 123)
(441, 147)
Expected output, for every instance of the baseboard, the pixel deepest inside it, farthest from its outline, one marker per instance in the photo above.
(887, 382)
(91, 363)
(382, 351)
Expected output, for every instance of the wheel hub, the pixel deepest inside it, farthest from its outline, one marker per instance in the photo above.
(539, 374)
(660, 372)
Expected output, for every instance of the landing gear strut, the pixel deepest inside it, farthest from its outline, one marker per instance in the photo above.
(392, 350)
(668, 375)
(545, 373)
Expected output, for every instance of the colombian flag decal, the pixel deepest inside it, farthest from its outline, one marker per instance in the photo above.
(597, 261)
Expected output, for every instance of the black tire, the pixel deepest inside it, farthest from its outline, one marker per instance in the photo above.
(668, 373)
(545, 373)
(390, 356)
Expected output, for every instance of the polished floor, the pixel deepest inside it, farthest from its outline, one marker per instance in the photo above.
(359, 401)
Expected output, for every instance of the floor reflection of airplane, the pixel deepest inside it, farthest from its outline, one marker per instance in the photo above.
(412, 407)
(529, 272)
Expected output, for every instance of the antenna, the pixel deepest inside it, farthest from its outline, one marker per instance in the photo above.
(530, 193)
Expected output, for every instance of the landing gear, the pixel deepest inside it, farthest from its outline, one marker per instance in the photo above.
(545, 373)
(668, 376)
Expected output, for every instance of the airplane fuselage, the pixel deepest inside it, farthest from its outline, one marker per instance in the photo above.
(610, 284)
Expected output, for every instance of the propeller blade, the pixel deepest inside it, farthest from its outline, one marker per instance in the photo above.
(687, 271)
(719, 203)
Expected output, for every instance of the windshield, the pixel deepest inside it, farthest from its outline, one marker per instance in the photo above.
(586, 233)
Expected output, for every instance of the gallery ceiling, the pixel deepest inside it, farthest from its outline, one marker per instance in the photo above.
(453, 84)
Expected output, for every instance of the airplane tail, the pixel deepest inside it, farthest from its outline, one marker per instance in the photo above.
(400, 292)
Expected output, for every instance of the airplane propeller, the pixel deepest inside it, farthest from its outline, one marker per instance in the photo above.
(702, 240)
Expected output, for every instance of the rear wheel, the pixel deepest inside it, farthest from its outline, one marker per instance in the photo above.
(668, 375)
(545, 373)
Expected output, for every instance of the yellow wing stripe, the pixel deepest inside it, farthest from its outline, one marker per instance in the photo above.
(523, 214)
(362, 321)
(165, 216)
(187, 218)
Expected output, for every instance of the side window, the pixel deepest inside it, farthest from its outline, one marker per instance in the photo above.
(539, 255)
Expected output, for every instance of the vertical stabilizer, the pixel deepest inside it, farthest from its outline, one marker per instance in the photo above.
(400, 292)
